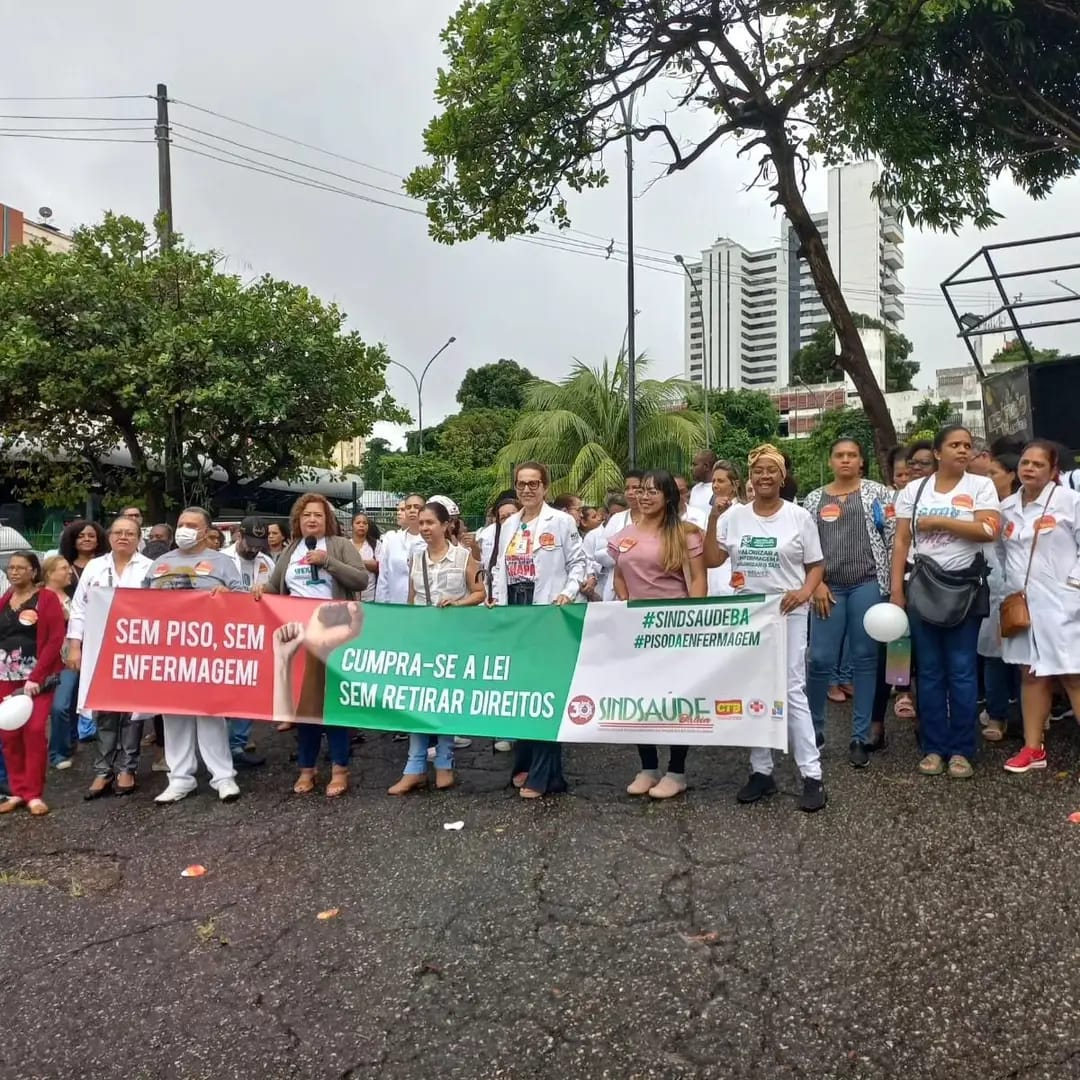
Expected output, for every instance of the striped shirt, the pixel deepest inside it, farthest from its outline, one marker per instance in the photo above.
(841, 524)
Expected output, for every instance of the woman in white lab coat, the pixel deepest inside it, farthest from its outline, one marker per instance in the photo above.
(539, 559)
(1041, 529)
(398, 549)
(727, 491)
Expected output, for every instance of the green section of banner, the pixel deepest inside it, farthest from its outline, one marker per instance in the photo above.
(499, 672)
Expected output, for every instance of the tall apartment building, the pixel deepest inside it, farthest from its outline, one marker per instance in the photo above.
(748, 312)
(349, 454)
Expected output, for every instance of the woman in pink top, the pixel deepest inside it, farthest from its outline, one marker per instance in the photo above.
(659, 558)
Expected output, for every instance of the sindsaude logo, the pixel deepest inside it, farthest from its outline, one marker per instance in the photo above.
(668, 709)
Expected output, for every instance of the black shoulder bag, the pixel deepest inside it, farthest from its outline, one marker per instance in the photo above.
(946, 598)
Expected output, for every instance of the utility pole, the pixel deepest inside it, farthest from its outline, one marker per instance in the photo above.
(627, 107)
(174, 443)
(161, 137)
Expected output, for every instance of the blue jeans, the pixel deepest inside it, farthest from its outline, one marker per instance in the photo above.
(844, 673)
(416, 765)
(309, 740)
(827, 646)
(948, 686)
(239, 734)
(63, 719)
(1002, 686)
(3, 773)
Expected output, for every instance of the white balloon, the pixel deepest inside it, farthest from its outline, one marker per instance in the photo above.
(886, 622)
(15, 711)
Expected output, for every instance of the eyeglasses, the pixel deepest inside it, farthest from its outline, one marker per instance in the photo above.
(647, 491)
(527, 485)
(921, 463)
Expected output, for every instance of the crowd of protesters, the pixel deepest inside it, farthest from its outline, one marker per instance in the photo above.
(980, 545)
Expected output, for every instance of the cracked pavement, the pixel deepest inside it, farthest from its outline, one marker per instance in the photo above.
(916, 928)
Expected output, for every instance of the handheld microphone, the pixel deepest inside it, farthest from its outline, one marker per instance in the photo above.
(311, 544)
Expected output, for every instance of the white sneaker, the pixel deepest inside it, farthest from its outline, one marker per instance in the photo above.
(228, 791)
(65, 763)
(431, 752)
(173, 794)
(460, 742)
(503, 746)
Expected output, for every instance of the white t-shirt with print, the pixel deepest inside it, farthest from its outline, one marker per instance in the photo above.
(769, 554)
(298, 574)
(971, 494)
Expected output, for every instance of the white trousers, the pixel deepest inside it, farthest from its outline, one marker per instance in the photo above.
(211, 735)
(800, 723)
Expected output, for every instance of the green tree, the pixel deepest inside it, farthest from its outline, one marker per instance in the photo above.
(1013, 353)
(532, 93)
(494, 386)
(579, 428)
(371, 468)
(116, 344)
(739, 420)
(473, 439)
(976, 90)
(929, 417)
(816, 362)
(432, 474)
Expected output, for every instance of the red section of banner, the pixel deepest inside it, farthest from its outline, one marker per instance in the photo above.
(182, 652)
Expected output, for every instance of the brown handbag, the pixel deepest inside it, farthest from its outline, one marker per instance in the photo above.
(1015, 615)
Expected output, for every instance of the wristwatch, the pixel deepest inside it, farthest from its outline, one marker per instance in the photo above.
(1073, 583)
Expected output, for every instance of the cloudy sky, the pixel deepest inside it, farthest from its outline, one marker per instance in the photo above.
(357, 79)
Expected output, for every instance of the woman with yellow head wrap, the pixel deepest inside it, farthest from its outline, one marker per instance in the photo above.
(773, 548)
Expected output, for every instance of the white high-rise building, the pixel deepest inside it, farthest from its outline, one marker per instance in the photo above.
(749, 312)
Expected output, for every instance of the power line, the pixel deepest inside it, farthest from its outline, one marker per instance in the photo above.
(285, 138)
(291, 161)
(103, 119)
(86, 130)
(90, 97)
(293, 178)
(72, 138)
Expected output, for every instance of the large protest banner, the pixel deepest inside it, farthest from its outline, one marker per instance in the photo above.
(693, 672)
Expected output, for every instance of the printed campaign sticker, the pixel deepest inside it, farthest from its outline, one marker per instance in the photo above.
(203, 569)
(161, 569)
(1045, 523)
(547, 541)
(830, 512)
(627, 545)
(1009, 530)
(738, 579)
(890, 511)
(28, 618)
(963, 502)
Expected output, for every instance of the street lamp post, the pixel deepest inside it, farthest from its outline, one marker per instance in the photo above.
(626, 106)
(706, 381)
(419, 384)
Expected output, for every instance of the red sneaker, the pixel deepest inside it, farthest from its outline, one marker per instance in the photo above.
(1027, 760)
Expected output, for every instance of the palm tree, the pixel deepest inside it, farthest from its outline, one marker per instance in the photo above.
(578, 427)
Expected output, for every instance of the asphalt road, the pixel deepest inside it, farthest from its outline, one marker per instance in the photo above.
(916, 928)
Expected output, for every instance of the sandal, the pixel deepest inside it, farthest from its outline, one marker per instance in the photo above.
(305, 782)
(284, 726)
(932, 765)
(519, 779)
(12, 802)
(960, 768)
(529, 793)
(339, 782)
(994, 730)
(37, 807)
(837, 695)
(904, 707)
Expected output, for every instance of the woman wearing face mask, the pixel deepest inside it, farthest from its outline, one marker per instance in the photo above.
(31, 637)
(80, 542)
(774, 549)
(365, 538)
(727, 490)
(1002, 681)
(856, 538)
(948, 516)
(1041, 552)
(538, 560)
(321, 565)
(443, 575)
(398, 549)
(659, 558)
